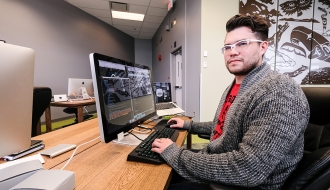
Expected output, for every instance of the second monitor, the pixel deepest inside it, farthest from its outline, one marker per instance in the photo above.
(80, 88)
(162, 92)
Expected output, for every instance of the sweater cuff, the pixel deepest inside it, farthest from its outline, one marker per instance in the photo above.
(187, 124)
(169, 153)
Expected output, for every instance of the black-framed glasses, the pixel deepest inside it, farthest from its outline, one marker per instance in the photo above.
(239, 46)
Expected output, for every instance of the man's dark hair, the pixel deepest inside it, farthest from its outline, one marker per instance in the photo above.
(256, 23)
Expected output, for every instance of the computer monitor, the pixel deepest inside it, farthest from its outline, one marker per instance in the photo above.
(162, 92)
(123, 94)
(16, 84)
(76, 87)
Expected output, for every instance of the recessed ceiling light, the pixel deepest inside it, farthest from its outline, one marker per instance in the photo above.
(127, 15)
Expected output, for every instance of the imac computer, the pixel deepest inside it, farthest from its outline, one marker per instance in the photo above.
(16, 83)
(80, 88)
(123, 94)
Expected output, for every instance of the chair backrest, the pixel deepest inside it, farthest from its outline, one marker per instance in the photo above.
(41, 100)
(313, 171)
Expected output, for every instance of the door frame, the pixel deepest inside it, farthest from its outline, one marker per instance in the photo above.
(172, 73)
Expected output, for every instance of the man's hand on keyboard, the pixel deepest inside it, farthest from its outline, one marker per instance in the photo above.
(159, 145)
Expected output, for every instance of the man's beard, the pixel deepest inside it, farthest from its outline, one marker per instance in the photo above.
(247, 68)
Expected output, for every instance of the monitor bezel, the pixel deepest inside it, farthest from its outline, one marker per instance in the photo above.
(102, 119)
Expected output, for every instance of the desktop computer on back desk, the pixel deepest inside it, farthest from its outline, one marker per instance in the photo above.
(124, 99)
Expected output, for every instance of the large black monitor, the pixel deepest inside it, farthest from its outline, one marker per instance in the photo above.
(123, 94)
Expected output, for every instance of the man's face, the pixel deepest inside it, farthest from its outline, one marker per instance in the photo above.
(241, 60)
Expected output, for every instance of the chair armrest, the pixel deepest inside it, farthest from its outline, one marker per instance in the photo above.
(204, 136)
(219, 186)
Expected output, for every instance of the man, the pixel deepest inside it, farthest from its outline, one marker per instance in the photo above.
(257, 135)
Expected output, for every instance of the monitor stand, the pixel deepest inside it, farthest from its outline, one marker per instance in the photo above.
(130, 139)
(84, 93)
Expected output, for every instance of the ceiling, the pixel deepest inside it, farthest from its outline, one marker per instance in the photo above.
(154, 10)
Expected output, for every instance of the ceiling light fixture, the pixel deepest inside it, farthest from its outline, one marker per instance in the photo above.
(127, 15)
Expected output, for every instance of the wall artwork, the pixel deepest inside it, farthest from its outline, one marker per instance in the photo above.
(299, 37)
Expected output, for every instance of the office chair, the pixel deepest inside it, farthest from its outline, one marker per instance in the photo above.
(75, 111)
(41, 100)
(313, 171)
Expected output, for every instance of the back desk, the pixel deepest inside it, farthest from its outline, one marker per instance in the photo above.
(99, 165)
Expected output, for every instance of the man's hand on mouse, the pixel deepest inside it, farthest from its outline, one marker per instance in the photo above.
(179, 123)
(159, 145)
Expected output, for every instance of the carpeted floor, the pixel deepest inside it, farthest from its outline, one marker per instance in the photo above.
(197, 146)
(63, 123)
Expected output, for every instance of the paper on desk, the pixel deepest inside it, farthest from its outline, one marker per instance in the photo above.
(21, 160)
(131, 140)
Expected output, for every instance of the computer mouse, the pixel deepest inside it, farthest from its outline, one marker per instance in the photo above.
(170, 123)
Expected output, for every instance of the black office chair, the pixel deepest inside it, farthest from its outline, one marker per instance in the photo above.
(75, 111)
(41, 100)
(313, 171)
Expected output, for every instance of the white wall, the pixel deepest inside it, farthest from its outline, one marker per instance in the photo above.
(215, 77)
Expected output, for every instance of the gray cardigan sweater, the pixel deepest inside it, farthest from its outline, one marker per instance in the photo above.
(262, 140)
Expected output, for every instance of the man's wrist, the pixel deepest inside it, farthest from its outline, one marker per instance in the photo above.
(169, 152)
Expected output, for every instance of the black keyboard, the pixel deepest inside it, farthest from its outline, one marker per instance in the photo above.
(164, 106)
(143, 153)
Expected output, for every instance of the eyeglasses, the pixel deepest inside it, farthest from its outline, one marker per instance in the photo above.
(239, 46)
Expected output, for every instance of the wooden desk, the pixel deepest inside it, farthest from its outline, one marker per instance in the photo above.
(104, 166)
(75, 134)
(73, 104)
(99, 165)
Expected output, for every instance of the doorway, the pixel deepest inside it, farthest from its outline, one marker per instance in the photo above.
(177, 78)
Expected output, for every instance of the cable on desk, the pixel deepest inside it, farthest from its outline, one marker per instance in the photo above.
(78, 97)
(129, 132)
(141, 131)
(145, 129)
(76, 150)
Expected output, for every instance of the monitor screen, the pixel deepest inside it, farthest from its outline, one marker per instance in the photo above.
(16, 84)
(162, 92)
(75, 86)
(123, 94)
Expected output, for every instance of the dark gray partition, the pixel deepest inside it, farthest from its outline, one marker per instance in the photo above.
(62, 36)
